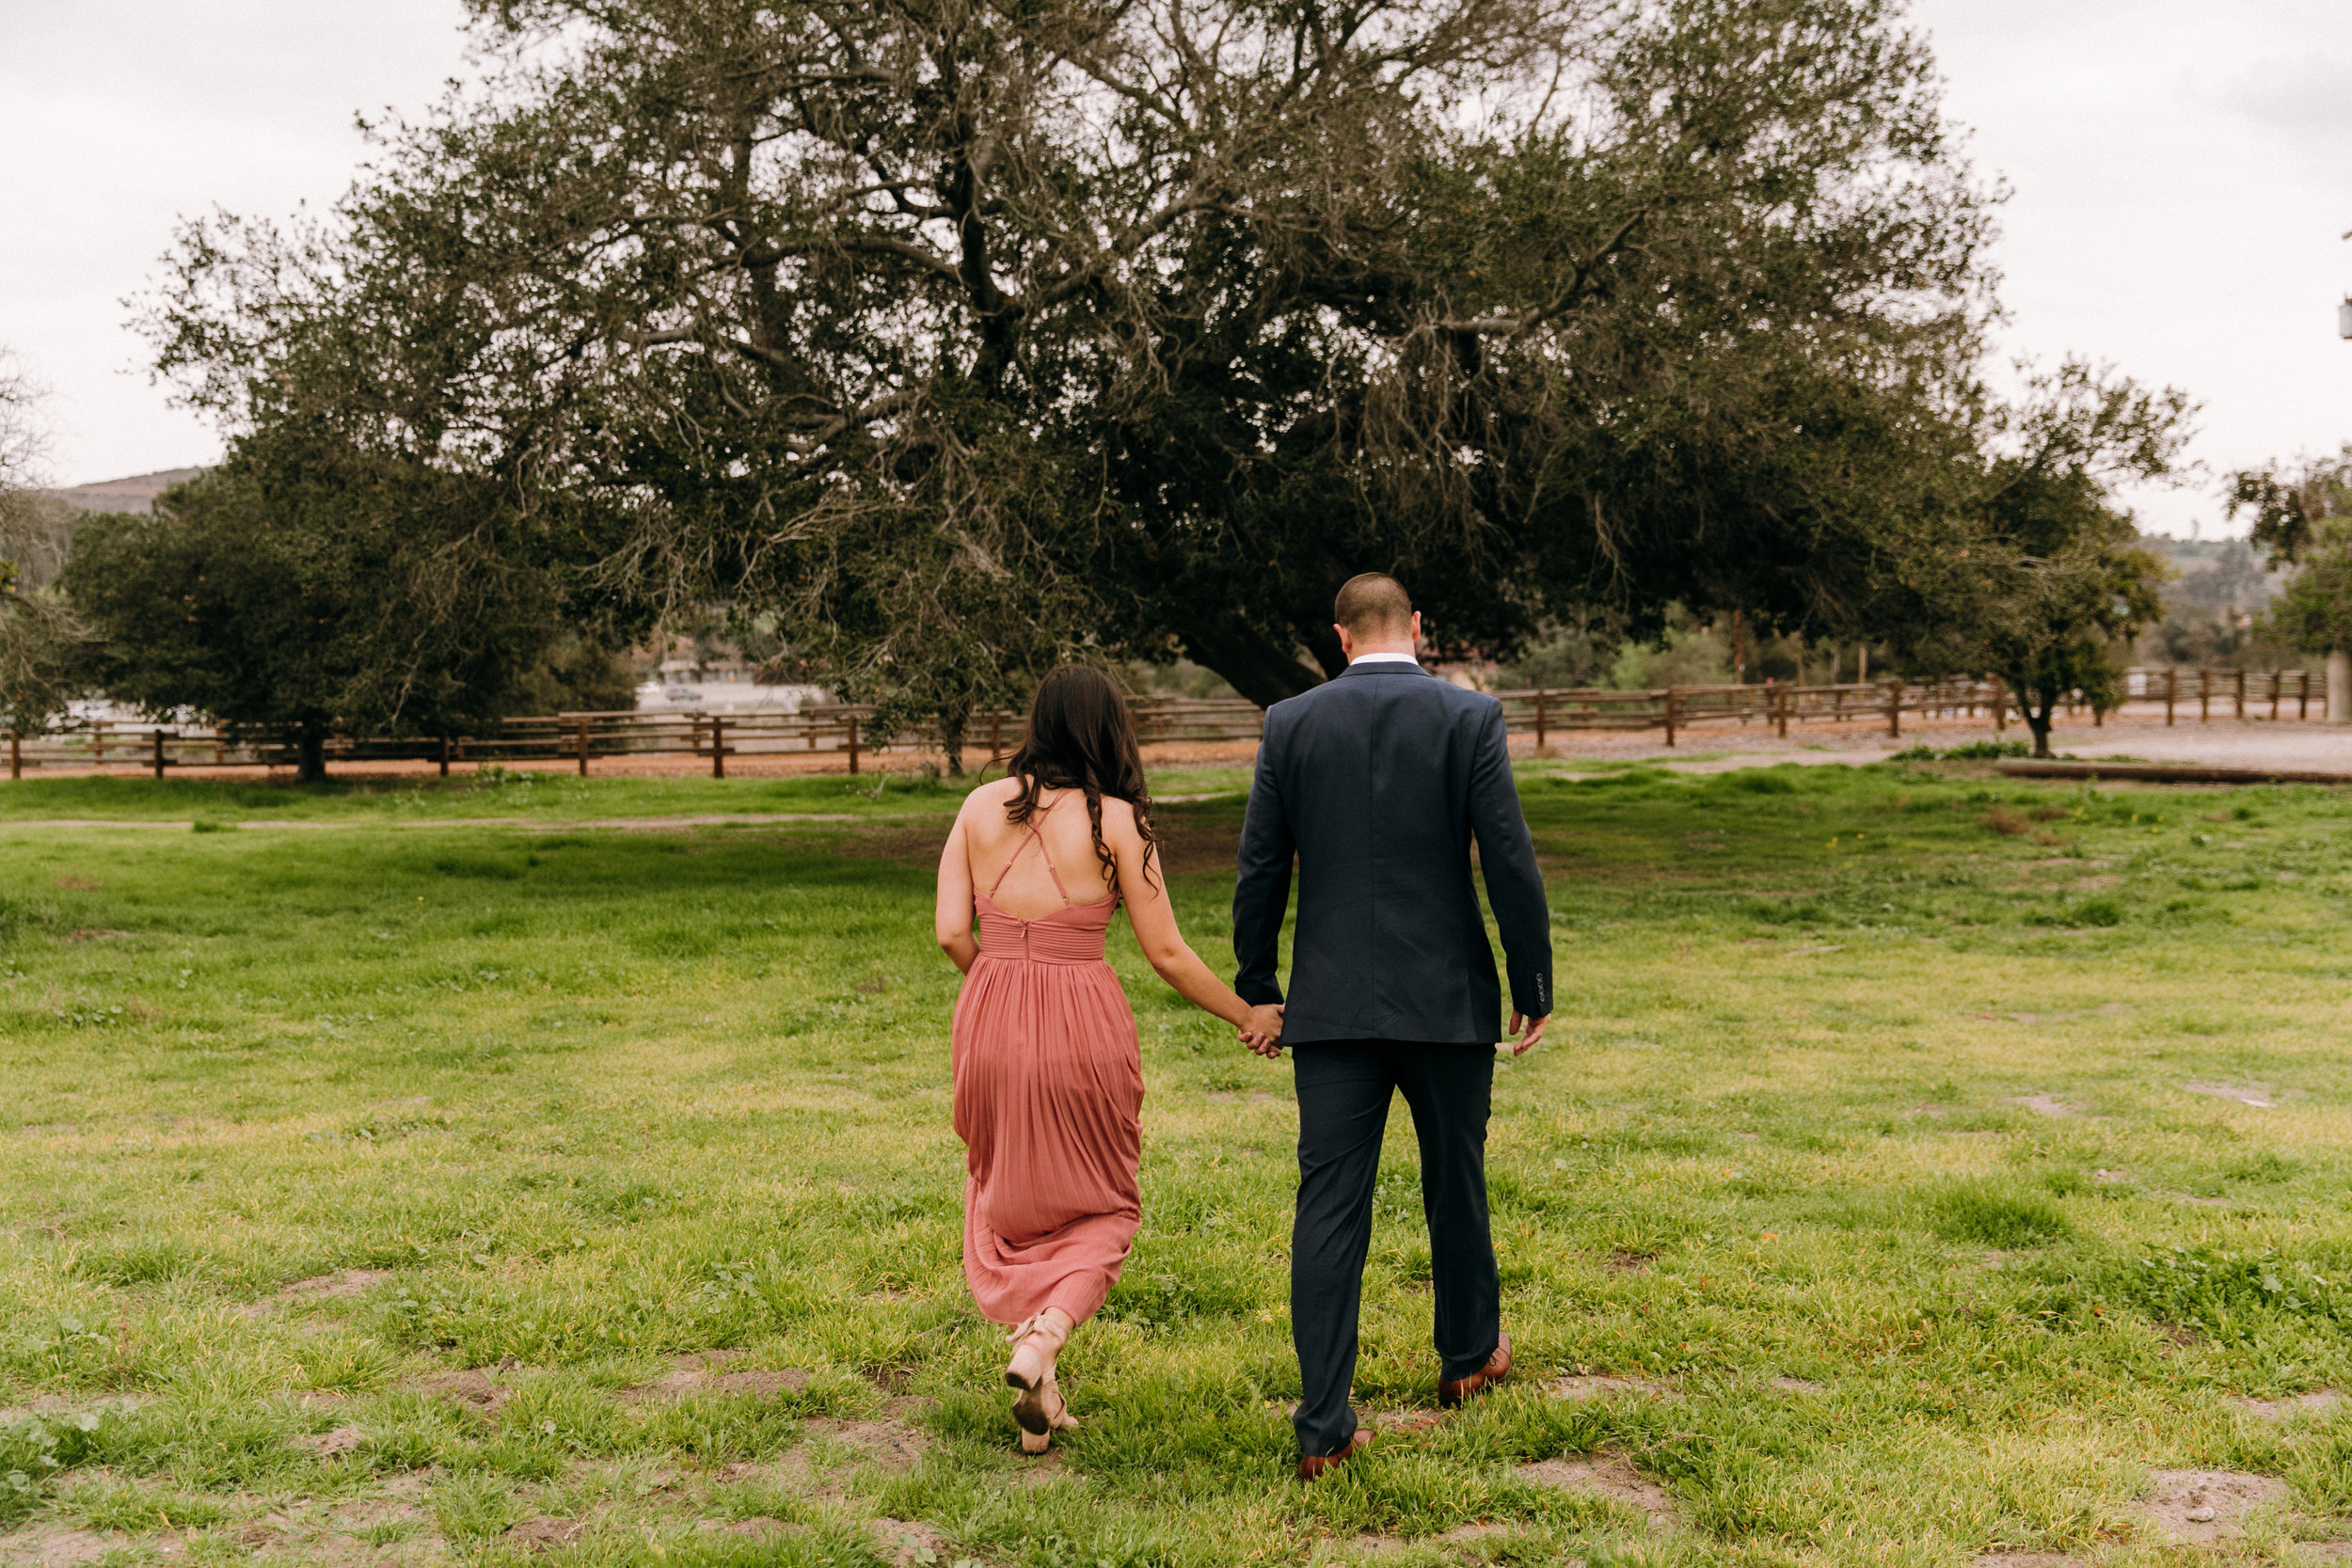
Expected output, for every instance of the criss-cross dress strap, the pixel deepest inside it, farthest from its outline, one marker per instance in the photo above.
(1035, 817)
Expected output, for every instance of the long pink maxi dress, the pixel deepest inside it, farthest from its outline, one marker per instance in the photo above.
(1049, 1104)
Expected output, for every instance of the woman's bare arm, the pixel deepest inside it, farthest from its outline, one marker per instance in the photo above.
(1154, 921)
(951, 922)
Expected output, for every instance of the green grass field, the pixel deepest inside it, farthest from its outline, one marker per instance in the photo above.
(1888, 1190)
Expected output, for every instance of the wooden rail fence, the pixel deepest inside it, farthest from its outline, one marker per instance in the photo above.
(580, 738)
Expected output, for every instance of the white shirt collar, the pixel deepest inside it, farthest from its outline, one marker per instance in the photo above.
(1383, 659)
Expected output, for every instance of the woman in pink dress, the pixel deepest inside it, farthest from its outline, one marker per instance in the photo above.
(1048, 1080)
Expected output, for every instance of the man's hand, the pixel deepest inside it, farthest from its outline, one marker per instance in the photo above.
(1262, 1030)
(1529, 1032)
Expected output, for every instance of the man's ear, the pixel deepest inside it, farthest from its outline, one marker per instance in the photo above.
(1347, 640)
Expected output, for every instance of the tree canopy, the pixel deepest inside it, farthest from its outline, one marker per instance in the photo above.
(307, 587)
(954, 341)
(2302, 517)
(2051, 578)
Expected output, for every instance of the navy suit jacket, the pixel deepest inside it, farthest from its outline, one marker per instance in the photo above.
(1378, 781)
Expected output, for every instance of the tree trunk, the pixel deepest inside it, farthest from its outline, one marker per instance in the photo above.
(2035, 708)
(310, 754)
(952, 723)
(1255, 665)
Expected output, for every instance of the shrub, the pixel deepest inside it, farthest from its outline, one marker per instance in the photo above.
(1975, 751)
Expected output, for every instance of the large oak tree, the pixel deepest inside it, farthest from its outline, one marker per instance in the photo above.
(962, 337)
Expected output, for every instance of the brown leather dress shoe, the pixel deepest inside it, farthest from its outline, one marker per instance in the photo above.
(1313, 1465)
(1498, 1367)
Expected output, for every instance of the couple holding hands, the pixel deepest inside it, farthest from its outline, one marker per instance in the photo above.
(1375, 784)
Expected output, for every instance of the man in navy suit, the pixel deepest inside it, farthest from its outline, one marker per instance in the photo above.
(1378, 781)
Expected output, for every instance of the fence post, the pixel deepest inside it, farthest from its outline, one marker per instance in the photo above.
(718, 747)
(853, 743)
(2171, 690)
(2000, 705)
(159, 751)
(1895, 708)
(1671, 707)
(1539, 719)
(2278, 685)
(583, 748)
(1780, 698)
(996, 737)
(98, 743)
(445, 757)
(2204, 694)
(2239, 695)
(16, 756)
(2302, 693)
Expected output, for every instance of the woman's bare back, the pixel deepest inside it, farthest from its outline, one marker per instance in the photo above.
(995, 845)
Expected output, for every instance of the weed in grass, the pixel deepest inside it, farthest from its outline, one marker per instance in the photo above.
(1996, 1217)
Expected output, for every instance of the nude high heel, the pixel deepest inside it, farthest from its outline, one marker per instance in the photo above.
(1038, 1405)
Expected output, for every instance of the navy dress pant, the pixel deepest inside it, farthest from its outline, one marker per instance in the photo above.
(1345, 1090)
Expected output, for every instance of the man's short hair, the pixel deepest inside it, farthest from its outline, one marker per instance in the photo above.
(1373, 603)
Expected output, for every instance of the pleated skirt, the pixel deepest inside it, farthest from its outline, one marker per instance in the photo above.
(1049, 1104)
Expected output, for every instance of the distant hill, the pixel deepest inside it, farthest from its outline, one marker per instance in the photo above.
(134, 494)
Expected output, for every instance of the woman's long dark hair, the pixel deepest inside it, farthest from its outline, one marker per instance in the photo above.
(1081, 737)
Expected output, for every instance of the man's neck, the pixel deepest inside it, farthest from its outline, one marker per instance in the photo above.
(1394, 650)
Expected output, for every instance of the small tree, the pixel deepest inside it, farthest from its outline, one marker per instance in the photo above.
(302, 586)
(2048, 577)
(2303, 519)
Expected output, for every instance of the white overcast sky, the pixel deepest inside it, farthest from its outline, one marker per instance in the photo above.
(2179, 169)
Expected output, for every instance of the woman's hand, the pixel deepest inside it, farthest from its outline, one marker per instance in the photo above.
(1262, 1031)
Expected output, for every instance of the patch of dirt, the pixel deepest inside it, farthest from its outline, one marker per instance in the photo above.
(2195, 1202)
(1625, 1261)
(1475, 1532)
(700, 1374)
(77, 884)
(2281, 1410)
(1040, 1470)
(910, 1544)
(1611, 1477)
(1796, 1386)
(2111, 1178)
(360, 1512)
(328, 1445)
(892, 1445)
(758, 1527)
(347, 1286)
(2260, 1096)
(2026, 1560)
(56, 1546)
(1405, 1420)
(2199, 1506)
(787, 1474)
(2046, 1106)
(545, 1535)
(472, 1387)
(2323, 1551)
(95, 933)
(1605, 1385)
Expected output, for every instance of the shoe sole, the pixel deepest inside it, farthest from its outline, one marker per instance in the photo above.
(1029, 1409)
